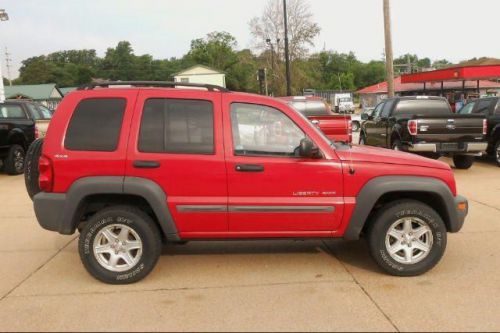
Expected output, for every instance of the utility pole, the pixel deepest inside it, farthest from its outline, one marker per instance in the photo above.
(287, 55)
(8, 65)
(388, 49)
(3, 17)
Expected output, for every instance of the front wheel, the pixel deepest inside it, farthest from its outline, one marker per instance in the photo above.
(407, 238)
(120, 245)
(355, 126)
(14, 163)
(463, 161)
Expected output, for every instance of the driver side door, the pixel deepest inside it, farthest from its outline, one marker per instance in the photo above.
(271, 190)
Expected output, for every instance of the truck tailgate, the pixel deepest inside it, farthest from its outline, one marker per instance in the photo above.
(335, 127)
(449, 129)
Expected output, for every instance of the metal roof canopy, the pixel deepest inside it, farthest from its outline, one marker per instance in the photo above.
(466, 73)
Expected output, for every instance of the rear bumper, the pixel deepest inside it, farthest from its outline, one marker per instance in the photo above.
(49, 211)
(467, 147)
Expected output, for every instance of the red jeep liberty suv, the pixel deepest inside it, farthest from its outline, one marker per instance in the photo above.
(132, 165)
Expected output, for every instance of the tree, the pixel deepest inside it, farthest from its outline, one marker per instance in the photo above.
(216, 50)
(118, 62)
(439, 64)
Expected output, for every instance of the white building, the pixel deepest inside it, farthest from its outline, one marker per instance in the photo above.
(201, 74)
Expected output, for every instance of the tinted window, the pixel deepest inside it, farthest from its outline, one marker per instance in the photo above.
(483, 106)
(96, 125)
(424, 107)
(386, 111)
(12, 111)
(498, 107)
(263, 131)
(46, 113)
(378, 110)
(177, 126)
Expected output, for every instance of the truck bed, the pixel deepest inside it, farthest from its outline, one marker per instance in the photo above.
(335, 127)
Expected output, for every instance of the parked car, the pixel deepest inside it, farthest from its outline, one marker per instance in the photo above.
(342, 102)
(335, 127)
(426, 125)
(173, 165)
(490, 108)
(21, 122)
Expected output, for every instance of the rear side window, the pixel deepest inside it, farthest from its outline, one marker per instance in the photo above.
(386, 111)
(95, 125)
(423, 107)
(483, 106)
(12, 111)
(177, 127)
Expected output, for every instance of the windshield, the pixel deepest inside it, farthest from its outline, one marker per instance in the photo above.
(345, 100)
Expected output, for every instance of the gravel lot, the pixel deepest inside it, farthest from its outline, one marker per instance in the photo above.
(254, 285)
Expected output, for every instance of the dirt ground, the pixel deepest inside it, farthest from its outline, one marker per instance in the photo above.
(254, 285)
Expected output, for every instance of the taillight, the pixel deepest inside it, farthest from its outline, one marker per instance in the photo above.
(37, 133)
(45, 179)
(413, 127)
(485, 127)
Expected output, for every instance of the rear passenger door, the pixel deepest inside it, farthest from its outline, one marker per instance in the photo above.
(176, 141)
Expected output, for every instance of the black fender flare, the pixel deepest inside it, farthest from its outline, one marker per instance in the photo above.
(17, 133)
(61, 212)
(373, 190)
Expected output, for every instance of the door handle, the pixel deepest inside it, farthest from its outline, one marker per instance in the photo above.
(249, 168)
(146, 164)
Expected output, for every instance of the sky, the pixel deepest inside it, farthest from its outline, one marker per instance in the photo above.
(164, 28)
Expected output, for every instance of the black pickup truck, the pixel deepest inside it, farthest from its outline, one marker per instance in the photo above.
(21, 122)
(488, 107)
(427, 126)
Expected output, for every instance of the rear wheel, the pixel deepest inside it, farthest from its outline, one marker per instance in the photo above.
(120, 245)
(463, 161)
(14, 163)
(407, 238)
(31, 173)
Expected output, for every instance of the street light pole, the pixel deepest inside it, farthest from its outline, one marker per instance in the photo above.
(3, 17)
(287, 55)
(388, 49)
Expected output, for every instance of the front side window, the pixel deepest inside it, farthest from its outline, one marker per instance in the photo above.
(498, 107)
(263, 131)
(467, 109)
(12, 111)
(378, 110)
(95, 125)
(386, 111)
(177, 127)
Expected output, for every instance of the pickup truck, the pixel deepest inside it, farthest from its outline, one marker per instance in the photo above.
(21, 122)
(427, 126)
(335, 127)
(489, 107)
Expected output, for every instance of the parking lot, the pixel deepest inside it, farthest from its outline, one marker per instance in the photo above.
(254, 285)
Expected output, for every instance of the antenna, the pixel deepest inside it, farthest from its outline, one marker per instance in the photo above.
(8, 61)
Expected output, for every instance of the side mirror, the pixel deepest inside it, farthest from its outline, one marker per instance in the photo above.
(308, 149)
(364, 116)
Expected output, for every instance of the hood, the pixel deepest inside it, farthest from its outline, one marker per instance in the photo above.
(370, 154)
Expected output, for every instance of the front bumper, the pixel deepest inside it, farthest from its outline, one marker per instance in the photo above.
(467, 147)
(462, 209)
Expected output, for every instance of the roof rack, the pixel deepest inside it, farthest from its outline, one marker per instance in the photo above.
(166, 84)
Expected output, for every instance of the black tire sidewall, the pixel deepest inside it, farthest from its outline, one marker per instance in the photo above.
(396, 143)
(9, 161)
(497, 158)
(390, 214)
(141, 223)
(31, 172)
(463, 161)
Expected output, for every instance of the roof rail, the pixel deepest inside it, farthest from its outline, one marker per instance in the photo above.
(166, 84)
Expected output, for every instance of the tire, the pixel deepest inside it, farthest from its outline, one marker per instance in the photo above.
(14, 163)
(31, 172)
(362, 139)
(103, 230)
(434, 239)
(463, 161)
(396, 145)
(355, 126)
(496, 152)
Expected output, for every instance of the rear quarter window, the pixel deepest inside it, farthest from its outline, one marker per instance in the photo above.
(96, 125)
(425, 107)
